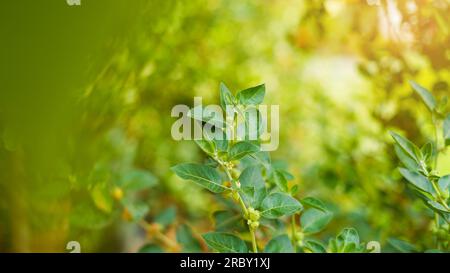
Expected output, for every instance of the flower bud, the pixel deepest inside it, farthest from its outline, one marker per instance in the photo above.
(254, 225)
(253, 214)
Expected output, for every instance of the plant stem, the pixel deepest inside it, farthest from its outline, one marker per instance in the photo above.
(241, 203)
(160, 236)
(436, 139)
(436, 221)
(294, 233)
(254, 245)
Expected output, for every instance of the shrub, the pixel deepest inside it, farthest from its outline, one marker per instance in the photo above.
(419, 168)
(262, 198)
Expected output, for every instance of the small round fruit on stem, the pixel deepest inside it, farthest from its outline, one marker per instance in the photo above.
(117, 193)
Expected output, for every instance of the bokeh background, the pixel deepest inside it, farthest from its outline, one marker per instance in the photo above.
(86, 94)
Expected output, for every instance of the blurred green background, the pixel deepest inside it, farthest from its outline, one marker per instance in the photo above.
(86, 94)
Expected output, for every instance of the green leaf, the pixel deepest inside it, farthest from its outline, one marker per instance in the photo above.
(151, 248)
(446, 216)
(252, 185)
(280, 180)
(101, 195)
(401, 246)
(211, 163)
(417, 180)
(294, 190)
(227, 220)
(444, 183)
(437, 207)
(241, 149)
(408, 147)
(427, 151)
(407, 161)
(274, 225)
(278, 204)
(226, 97)
(218, 139)
(225, 242)
(187, 240)
(166, 217)
(314, 220)
(287, 175)
(204, 176)
(346, 242)
(137, 180)
(447, 130)
(137, 209)
(205, 145)
(201, 114)
(252, 95)
(253, 197)
(261, 158)
(314, 246)
(425, 95)
(252, 177)
(314, 203)
(279, 244)
(253, 118)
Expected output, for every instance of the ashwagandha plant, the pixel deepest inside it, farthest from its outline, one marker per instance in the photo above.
(262, 207)
(420, 167)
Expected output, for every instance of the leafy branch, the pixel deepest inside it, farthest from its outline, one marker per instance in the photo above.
(241, 171)
(420, 165)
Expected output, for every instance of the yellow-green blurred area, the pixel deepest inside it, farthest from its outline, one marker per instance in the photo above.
(87, 91)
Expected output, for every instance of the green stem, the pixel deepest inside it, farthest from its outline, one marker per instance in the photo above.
(440, 198)
(436, 189)
(436, 139)
(436, 221)
(241, 203)
(158, 235)
(254, 245)
(294, 233)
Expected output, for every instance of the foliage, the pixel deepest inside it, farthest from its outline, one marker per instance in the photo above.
(247, 175)
(85, 144)
(421, 173)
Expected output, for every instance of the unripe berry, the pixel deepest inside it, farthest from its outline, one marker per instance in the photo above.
(117, 193)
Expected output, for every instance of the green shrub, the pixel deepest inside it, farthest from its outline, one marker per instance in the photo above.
(419, 168)
(263, 200)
